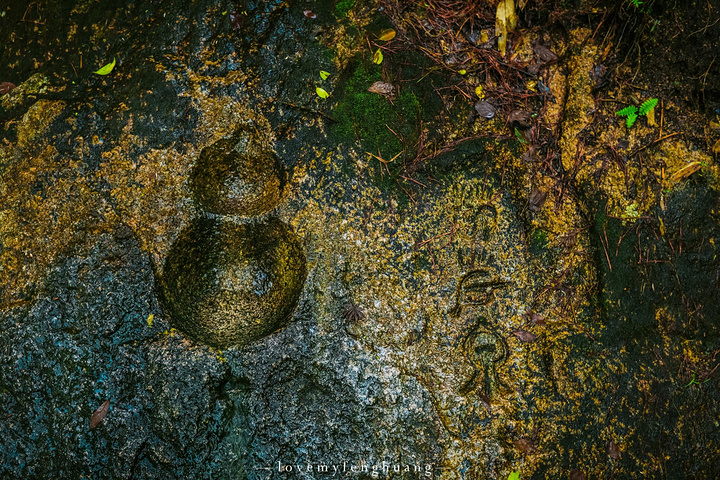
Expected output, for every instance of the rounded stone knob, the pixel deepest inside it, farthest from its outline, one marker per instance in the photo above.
(238, 176)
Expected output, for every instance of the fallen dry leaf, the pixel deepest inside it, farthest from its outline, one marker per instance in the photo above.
(520, 118)
(378, 57)
(485, 400)
(99, 414)
(537, 319)
(576, 474)
(525, 445)
(685, 172)
(597, 74)
(524, 336)
(5, 87)
(505, 21)
(237, 20)
(382, 88)
(537, 199)
(309, 14)
(613, 450)
(530, 154)
(386, 35)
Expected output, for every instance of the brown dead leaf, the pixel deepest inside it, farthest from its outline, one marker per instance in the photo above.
(537, 199)
(537, 319)
(530, 154)
(309, 14)
(576, 474)
(520, 118)
(685, 172)
(524, 445)
(613, 450)
(382, 88)
(598, 72)
(237, 20)
(524, 336)
(716, 147)
(99, 414)
(5, 87)
(485, 400)
(568, 240)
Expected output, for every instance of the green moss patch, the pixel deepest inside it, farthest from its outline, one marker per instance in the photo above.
(369, 117)
(343, 7)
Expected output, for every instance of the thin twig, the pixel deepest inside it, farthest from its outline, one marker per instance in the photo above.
(310, 110)
(654, 142)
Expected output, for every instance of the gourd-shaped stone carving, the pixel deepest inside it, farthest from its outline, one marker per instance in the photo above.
(232, 280)
(238, 176)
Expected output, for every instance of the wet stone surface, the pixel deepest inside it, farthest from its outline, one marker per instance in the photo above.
(160, 264)
(229, 284)
(86, 340)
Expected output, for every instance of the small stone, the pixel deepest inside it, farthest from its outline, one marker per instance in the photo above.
(485, 110)
(238, 176)
(229, 283)
(544, 54)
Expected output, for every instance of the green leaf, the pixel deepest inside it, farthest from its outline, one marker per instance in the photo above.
(647, 106)
(106, 69)
(322, 93)
(519, 136)
(630, 121)
(627, 111)
(324, 75)
(378, 57)
(462, 72)
(514, 476)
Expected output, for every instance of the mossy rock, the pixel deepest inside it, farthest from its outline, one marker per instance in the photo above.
(229, 283)
(238, 176)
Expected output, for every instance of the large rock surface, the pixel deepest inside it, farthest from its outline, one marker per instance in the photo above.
(483, 315)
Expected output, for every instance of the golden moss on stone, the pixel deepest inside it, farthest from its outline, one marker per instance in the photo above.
(47, 201)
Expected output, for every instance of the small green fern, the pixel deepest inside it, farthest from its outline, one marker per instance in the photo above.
(630, 120)
(631, 112)
(647, 106)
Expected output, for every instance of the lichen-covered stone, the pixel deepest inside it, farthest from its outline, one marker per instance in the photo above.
(229, 283)
(488, 337)
(238, 176)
